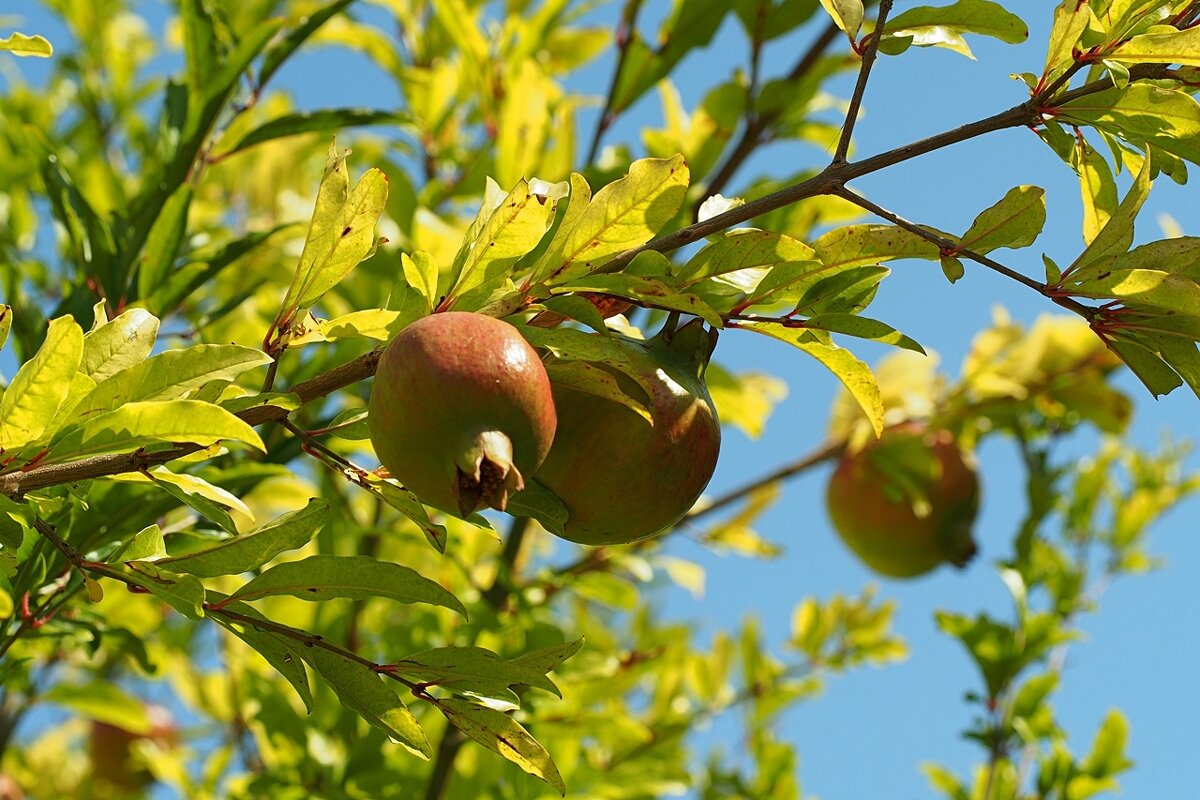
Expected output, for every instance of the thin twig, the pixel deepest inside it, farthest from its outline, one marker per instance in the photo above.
(868, 60)
(755, 131)
(824, 453)
(949, 247)
(626, 30)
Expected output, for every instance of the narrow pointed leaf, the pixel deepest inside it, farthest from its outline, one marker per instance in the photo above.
(504, 735)
(356, 577)
(365, 693)
(244, 553)
(282, 653)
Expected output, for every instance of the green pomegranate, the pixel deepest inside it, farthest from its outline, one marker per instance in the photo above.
(621, 478)
(461, 411)
(906, 502)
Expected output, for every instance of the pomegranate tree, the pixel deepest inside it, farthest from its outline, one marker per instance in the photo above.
(461, 411)
(621, 477)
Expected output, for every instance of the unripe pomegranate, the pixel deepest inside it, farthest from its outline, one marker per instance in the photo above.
(461, 410)
(621, 478)
(906, 502)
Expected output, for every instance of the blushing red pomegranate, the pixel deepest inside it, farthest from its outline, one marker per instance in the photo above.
(461, 411)
(621, 478)
(907, 502)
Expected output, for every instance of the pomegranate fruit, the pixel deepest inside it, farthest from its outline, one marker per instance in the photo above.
(621, 478)
(461, 411)
(906, 502)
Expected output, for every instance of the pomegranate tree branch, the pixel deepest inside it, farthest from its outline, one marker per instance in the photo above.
(864, 72)
(756, 130)
(1028, 113)
(826, 452)
(624, 37)
(949, 247)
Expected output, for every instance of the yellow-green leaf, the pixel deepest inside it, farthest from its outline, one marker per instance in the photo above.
(41, 385)
(854, 374)
(118, 344)
(136, 424)
(20, 44)
(624, 214)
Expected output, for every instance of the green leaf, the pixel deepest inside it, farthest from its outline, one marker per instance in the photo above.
(421, 273)
(848, 291)
(502, 734)
(501, 235)
(1147, 365)
(41, 385)
(184, 593)
(136, 424)
(1177, 47)
(1070, 21)
(925, 26)
(377, 324)
(847, 15)
(744, 249)
(583, 377)
(21, 45)
(854, 374)
(201, 48)
(537, 502)
(1141, 113)
(863, 328)
(569, 344)
(198, 494)
(282, 653)
(164, 241)
(328, 119)
(170, 375)
(1107, 756)
(15, 519)
(1098, 189)
(286, 45)
(471, 669)
(244, 553)
(1015, 221)
(357, 577)
(409, 505)
(118, 344)
(1117, 234)
(952, 268)
(341, 233)
(548, 659)
(1145, 286)
(5, 322)
(622, 215)
(646, 292)
(868, 244)
(103, 701)
(146, 545)
(362, 691)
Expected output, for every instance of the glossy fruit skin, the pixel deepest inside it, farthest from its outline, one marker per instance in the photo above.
(871, 502)
(621, 478)
(461, 411)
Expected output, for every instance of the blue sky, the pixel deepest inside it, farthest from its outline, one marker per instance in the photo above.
(866, 736)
